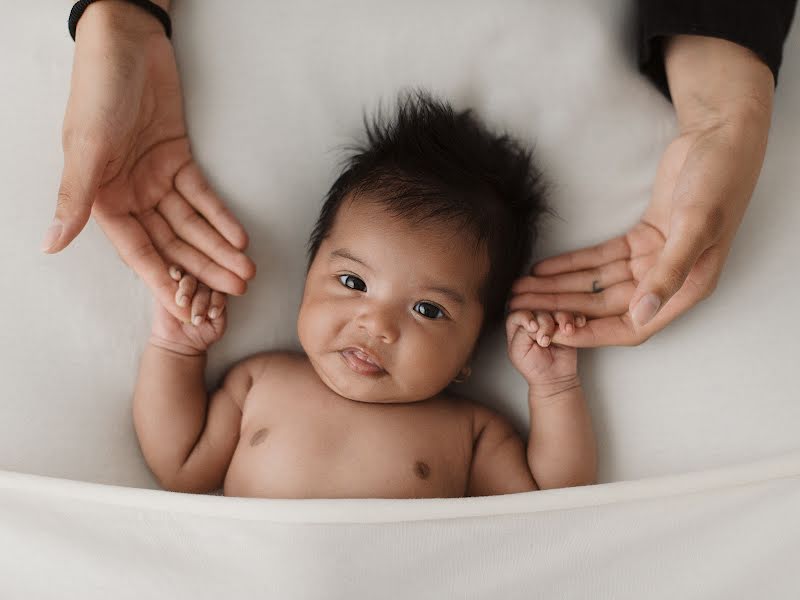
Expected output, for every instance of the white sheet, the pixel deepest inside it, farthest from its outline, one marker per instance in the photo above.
(731, 533)
(271, 91)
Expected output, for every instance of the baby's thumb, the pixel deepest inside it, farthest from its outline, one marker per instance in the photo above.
(80, 181)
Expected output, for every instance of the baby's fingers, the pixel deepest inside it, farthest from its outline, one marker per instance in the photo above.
(217, 304)
(517, 319)
(547, 327)
(186, 289)
(175, 272)
(200, 303)
(566, 321)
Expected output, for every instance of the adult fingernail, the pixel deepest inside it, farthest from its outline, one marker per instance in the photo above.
(646, 309)
(52, 235)
(183, 300)
(212, 314)
(197, 320)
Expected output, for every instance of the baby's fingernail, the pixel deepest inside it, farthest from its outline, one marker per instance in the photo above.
(197, 319)
(568, 328)
(212, 314)
(182, 300)
(546, 340)
(533, 325)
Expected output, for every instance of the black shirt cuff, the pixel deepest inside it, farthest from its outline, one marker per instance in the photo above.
(760, 25)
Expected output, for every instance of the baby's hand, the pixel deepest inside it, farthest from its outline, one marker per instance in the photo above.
(208, 317)
(530, 348)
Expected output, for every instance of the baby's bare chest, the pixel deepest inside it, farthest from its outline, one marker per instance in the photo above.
(296, 442)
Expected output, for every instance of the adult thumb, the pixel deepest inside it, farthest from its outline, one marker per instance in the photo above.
(681, 252)
(80, 181)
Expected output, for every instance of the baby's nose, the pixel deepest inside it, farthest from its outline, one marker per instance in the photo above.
(380, 323)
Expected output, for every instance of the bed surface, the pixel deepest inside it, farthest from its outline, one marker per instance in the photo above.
(272, 91)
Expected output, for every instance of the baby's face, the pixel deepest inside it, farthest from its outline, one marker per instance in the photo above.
(372, 286)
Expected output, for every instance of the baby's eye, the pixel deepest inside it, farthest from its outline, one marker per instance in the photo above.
(430, 310)
(354, 278)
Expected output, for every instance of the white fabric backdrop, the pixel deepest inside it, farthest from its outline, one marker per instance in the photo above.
(272, 90)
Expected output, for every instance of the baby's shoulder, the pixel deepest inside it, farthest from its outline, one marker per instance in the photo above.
(478, 414)
(270, 363)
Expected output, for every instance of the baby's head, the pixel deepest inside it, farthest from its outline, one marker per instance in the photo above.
(414, 252)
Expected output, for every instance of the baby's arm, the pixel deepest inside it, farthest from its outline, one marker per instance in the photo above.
(187, 440)
(561, 446)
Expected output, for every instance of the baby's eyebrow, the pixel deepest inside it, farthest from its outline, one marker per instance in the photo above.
(452, 294)
(345, 253)
(445, 291)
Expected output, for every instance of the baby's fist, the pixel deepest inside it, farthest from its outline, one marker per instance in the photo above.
(206, 304)
(530, 348)
(208, 317)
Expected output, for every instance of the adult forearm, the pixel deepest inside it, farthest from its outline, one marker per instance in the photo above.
(561, 447)
(169, 408)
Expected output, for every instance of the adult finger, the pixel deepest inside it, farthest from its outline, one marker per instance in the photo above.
(136, 250)
(194, 187)
(84, 163)
(192, 227)
(687, 240)
(608, 331)
(609, 302)
(585, 258)
(619, 330)
(591, 280)
(174, 249)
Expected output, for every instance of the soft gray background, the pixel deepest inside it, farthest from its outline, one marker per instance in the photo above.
(272, 90)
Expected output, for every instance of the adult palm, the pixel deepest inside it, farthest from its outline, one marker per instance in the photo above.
(128, 163)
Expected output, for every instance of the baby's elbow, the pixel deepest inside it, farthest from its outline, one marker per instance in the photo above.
(169, 483)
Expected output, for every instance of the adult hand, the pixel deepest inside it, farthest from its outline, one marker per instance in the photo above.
(128, 163)
(634, 285)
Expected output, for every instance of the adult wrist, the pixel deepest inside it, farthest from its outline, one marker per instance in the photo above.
(123, 17)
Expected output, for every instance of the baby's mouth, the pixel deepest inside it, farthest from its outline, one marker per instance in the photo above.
(360, 362)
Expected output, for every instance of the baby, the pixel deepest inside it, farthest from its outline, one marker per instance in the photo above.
(411, 261)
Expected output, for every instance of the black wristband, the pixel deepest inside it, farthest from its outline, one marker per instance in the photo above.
(154, 9)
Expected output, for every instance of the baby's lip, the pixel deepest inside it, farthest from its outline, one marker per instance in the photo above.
(364, 355)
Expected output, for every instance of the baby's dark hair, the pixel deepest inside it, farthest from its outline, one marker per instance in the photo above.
(433, 164)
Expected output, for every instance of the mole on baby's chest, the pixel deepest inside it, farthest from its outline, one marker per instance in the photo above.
(422, 470)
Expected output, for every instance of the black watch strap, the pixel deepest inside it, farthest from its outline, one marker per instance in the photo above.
(151, 7)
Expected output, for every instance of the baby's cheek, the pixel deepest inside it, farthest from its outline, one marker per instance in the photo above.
(315, 326)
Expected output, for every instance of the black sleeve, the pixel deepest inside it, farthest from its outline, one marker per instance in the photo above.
(760, 25)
